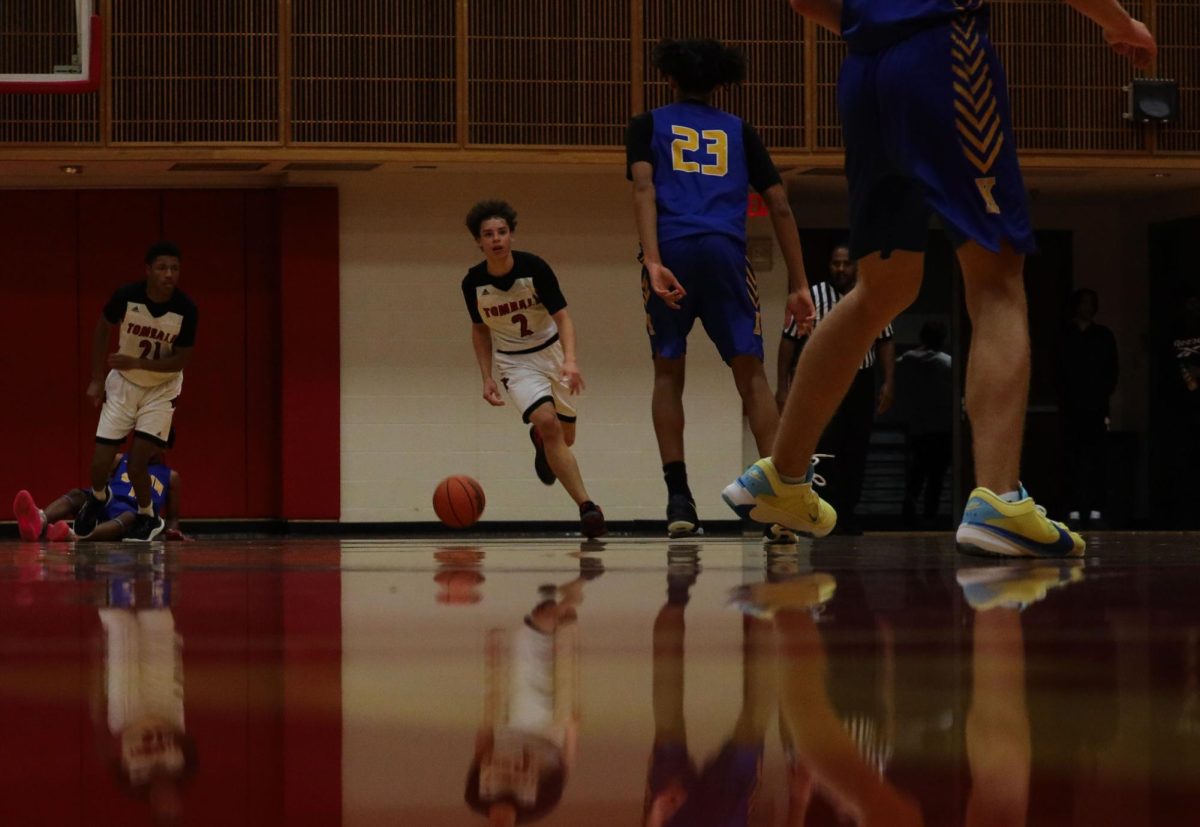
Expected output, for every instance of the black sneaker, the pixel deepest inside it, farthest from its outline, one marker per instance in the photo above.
(90, 515)
(681, 516)
(144, 529)
(541, 466)
(591, 520)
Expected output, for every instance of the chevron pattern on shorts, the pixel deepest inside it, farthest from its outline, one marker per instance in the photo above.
(978, 116)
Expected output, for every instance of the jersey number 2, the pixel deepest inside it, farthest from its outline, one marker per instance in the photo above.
(716, 146)
(146, 348)
(520, 319)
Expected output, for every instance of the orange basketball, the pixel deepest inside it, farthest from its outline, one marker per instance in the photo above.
(458, 501)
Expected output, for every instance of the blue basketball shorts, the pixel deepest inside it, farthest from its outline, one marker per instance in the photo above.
(928, 131)
(722, 293)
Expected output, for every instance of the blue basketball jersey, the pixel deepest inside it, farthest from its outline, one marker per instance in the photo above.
(701, 177)
(871, 25)
(122, 488)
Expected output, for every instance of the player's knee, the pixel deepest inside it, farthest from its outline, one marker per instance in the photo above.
(546, 421)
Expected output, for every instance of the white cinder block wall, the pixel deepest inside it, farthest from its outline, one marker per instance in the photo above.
(411, 406)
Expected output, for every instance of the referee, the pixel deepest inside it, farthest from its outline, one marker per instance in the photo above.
(849, 431)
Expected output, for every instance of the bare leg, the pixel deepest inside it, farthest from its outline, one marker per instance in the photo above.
(832, 356)
(760, 682)
(999, 752)
(669, 627)
(102, 465)
(110, 531)
(666, 407)
(998, 371)
(139, 475)
(757, 401)
(65, 507)
(558, 453)
(821, 742)
(568, 433)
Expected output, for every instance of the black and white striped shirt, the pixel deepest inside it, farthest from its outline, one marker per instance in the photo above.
(824, 298)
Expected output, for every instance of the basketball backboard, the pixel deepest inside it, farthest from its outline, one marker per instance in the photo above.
(50, 46)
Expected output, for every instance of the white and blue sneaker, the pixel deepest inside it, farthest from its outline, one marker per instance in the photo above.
(759, 494)
(994, 527)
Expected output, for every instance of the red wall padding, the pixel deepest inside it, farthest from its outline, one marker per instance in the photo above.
(61, 256)
(41, 412)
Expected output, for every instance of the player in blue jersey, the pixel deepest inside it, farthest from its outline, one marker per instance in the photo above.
(120, 510)
(692, 166)
(925, 119)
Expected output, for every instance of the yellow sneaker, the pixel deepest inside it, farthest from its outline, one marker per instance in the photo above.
(763, 600)
(1014, 585)
(759, 494)
(991, 526)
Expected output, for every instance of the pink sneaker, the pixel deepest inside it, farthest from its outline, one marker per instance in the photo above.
(59, 532)
(30, 520)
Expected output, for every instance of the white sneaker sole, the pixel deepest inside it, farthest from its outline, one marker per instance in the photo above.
(974, 540)
(739, 499)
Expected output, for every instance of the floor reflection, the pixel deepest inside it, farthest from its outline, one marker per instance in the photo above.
(880, 680)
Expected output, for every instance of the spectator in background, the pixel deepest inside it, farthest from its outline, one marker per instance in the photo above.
(1087, 377)
(927, 409)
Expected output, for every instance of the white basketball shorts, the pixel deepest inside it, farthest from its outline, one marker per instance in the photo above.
(534, 378)
(129, 407)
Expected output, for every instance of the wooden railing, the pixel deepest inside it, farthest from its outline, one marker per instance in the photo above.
(460, 75)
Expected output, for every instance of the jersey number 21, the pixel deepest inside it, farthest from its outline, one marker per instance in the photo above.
(687, 140)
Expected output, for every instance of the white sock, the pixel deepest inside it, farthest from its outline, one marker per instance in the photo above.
(1012, 496)
(1095, 515)
(148, 510)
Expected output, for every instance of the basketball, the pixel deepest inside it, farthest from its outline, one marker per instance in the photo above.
(458, 501)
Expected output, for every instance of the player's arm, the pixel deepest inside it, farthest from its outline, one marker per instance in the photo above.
(827, 13)
(799, 302)
(1128, 37)
(639, 163)
(95, 388)
(171, 509)
(766, 181)
(645, 214)
(885, 357)
(783, 372)
(481, 340)
(566, 334)
(550, 292)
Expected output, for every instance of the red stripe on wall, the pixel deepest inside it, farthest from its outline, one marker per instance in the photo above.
(209, 227)
(262, 341)
(311, 359)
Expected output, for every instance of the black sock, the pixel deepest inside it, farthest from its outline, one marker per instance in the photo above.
(675, 473)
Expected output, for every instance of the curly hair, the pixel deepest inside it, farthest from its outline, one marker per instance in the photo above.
(162, 248)
(484, 210)
(700, 66)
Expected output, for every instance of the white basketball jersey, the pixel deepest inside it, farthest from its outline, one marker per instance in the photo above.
(517, 317)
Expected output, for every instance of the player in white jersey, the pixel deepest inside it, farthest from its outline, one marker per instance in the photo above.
(156, 324)
(520, 322)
